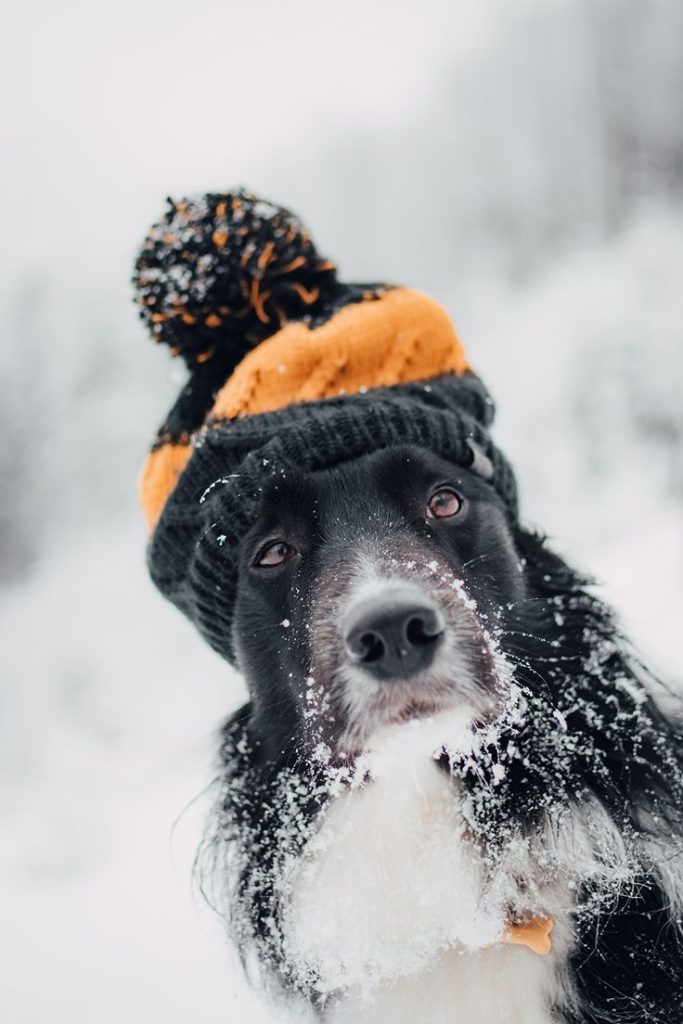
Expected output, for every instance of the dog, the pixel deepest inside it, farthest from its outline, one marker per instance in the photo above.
(455, 793)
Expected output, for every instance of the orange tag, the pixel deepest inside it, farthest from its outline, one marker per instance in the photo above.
(534, 933)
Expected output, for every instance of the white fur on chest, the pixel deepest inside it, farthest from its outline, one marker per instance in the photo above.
(390, 904)
(500, 985)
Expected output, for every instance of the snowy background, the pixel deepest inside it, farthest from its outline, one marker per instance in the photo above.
(521, 161)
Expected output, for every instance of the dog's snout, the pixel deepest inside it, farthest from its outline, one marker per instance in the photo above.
(394, 635)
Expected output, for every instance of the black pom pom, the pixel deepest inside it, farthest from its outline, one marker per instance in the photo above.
(219, 273)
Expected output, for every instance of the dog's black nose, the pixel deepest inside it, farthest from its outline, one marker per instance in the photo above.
(394, 635)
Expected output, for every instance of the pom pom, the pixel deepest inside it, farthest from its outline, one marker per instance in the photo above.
(219, 273)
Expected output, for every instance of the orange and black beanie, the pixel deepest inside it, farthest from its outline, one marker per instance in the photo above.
(288, 367)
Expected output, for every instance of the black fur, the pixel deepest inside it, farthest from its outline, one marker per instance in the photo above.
(615, 745)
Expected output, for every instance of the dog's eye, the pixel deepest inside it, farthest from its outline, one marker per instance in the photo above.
(444, 504)
(274, 554)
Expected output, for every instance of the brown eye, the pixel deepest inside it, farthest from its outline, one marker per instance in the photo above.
(274, 554)
(443, 504)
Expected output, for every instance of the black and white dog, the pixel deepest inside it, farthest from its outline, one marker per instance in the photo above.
(448, 742)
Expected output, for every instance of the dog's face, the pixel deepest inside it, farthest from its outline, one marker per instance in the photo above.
(368, 594)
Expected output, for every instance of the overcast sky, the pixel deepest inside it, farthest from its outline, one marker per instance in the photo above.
(114, 104)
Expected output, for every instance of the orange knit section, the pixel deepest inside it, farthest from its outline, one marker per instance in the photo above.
(159, 476)
(400, 337)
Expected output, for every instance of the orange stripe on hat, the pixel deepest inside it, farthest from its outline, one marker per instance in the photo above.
(400, 337)
(160, 474)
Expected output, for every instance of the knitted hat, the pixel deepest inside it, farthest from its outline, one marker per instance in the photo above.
(288, 367)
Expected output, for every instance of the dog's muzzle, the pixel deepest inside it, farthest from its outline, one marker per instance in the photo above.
(395, 635)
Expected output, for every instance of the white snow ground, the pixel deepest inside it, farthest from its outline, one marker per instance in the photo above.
(110, 701)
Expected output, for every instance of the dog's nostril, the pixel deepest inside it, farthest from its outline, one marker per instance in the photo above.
(419, 632)
(372, 648)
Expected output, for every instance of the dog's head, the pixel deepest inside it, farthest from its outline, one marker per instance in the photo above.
(369, 593)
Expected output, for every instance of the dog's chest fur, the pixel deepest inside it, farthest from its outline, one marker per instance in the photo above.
(392, 905)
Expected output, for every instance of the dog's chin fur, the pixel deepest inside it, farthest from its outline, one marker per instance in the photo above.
(372, 847)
